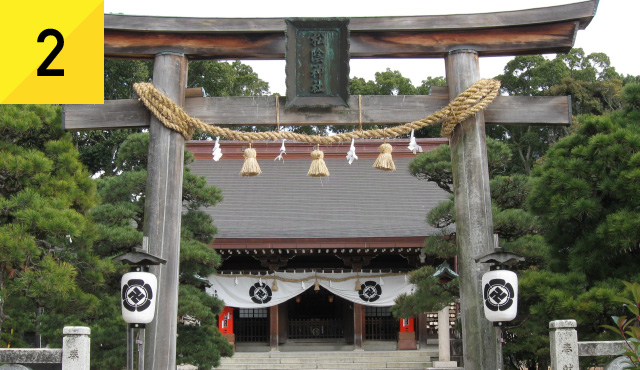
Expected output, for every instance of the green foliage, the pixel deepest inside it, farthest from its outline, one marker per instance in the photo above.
(586, 195)
(108, 334)
(441, 245)
(628, 328)
(46, 260)
(589, 97)
(631, 97)
(200, 345)
(392, 83)
(442, 215)
(513, 223)
(120, 158)
(535, 74)
(435, 165)
(592, 82)
(386, 83)
(99, 147)
(120, 75)
(425, 87)
(510, 191)
(431, 294)
(226, 79)
(120, 220)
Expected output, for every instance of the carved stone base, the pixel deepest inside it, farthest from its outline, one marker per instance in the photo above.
(407, 341)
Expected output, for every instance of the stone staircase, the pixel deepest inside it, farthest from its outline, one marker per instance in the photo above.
(370, 360)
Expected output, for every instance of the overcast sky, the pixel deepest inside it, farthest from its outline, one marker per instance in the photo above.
(614, 29)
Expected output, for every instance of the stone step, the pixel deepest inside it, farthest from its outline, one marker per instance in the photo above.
(338, 363)
(337, 360)
(329, 366)
(363, 354)
(372, 358)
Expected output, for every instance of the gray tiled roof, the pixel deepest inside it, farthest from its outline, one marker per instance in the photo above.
(355, 201)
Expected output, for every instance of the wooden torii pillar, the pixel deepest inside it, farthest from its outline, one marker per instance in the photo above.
(460, 39)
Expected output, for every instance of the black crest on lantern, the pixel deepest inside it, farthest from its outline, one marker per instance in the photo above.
(136, 295)
(498, 295)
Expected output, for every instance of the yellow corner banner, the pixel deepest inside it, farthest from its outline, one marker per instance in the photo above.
(53, 52)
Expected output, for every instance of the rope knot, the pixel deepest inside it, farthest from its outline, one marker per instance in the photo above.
(386, 148)
(317, 154)
(250, 153)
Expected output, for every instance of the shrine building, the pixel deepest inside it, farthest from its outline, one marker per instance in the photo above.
(318, 259)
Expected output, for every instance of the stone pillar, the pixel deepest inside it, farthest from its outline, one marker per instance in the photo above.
(358, 326)
(474, 222)
(273, 328)
(444, 345)
(564, 345)
(162, 214)
(76, 348)
(444, 341)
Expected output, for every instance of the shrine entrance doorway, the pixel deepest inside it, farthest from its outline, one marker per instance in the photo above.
(319, 316)
(252, 325)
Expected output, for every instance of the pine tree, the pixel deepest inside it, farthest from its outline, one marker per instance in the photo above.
(48, 272)
(120, 219)
(587, 195)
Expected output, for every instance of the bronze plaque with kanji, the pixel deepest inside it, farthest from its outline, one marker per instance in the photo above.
(317, 54)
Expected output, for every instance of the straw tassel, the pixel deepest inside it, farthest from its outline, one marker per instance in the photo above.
(358, 285)
(385, 161)
(250, 166)
(318, 167)
(274, 287)
(316, 286)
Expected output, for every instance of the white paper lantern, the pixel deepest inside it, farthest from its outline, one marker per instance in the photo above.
(500, 295)
(138, 293)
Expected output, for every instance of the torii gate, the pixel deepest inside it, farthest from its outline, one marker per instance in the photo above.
(460, 39)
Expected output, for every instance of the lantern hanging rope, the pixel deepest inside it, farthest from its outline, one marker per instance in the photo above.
(473, 100)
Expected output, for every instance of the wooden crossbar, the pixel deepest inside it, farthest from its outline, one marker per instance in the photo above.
(262, 111)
